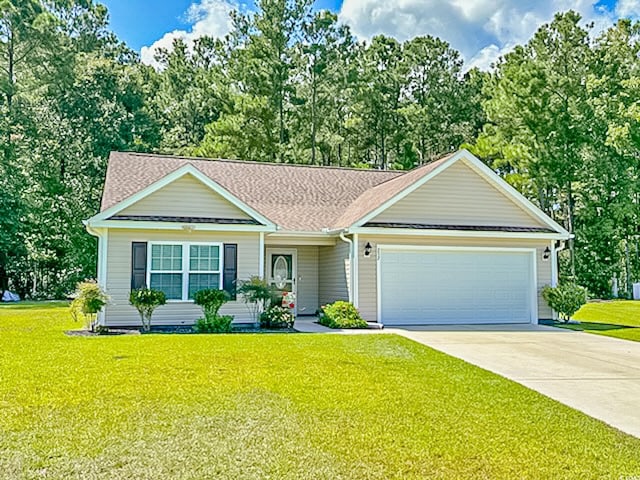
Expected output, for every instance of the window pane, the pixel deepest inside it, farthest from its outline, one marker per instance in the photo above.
(155, 257)
(202, 281)
(204, 258)
(166, 257)
(169, 283)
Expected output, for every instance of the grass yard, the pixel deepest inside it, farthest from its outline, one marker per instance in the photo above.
(276, 406)
(618, 312)
(619, 319)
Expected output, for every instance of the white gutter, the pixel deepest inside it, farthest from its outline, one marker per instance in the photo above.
(351, 274)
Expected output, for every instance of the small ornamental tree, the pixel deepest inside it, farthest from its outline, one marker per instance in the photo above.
(146, 300)
(89, 300)
(566, 299)
(257, 294)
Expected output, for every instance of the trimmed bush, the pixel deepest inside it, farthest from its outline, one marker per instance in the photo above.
(146, 300)
(89, 300)
(276, 317)
(566, 299)
(341, 314)
(211, 300)
(216, 324)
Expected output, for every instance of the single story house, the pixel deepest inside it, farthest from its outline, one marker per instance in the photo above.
(449, 242)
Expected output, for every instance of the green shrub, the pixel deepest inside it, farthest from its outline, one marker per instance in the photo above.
(276, 317)
(89, 300)
(566, 299)
(216, 324)
(211, 300)
(102, 330)
(146, 300)
(341, 314)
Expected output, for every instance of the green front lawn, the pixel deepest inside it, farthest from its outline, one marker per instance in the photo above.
(619, 319)
(276, 406)
(617, 312)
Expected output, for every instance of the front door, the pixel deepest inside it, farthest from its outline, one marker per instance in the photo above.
(281, 271)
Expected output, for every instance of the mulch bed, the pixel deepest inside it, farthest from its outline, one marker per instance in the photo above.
(170, 330)
(111, 332)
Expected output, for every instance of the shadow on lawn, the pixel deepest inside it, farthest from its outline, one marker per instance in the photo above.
(585, 326)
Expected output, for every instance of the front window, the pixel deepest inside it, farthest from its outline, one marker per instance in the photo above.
(204, 268)
(180, 270)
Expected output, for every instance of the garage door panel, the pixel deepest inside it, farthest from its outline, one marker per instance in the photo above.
(442, 287)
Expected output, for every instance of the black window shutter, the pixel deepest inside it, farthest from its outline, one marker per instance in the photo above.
(138, 265)
(230, 273)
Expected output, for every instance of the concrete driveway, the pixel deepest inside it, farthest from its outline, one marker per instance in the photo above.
(595, 374)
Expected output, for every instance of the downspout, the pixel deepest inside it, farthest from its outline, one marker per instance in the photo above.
(556, 247)
(350, 286)
(101, 234)
(101, 266)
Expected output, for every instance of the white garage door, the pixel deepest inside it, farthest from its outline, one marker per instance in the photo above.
(421, 287)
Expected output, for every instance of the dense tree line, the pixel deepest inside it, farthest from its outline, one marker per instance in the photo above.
(558, 118)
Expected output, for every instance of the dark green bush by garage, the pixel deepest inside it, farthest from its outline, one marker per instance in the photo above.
(341, 314)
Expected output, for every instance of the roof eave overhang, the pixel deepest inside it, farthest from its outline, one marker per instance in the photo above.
(187, 227)
(457, 233)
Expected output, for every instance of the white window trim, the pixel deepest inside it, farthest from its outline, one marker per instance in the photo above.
(186, 270)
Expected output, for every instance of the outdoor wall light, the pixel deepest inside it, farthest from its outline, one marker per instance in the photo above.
(367, 250)
(546, 254)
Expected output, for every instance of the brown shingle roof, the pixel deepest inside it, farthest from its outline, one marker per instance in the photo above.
(294, 197)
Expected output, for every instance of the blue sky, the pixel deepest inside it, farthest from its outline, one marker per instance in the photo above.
(142, 22)
(481, 29)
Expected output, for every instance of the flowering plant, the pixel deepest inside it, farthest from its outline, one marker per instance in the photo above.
(288, 300)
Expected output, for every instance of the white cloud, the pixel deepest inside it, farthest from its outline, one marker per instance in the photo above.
(628, 8)
(207, 18)
(485, 58)
(482, 30)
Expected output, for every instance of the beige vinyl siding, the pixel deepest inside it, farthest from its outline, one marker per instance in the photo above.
(334, 273)
(367, 272)
(307, 280)
(458, 196)
(186, 197)
(119, 313)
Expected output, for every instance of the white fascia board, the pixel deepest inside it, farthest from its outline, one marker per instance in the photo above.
(142, 225)
(402, 194)
(172, 177)
(456, 233)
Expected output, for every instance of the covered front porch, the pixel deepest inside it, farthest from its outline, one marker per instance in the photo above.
(314, 267)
